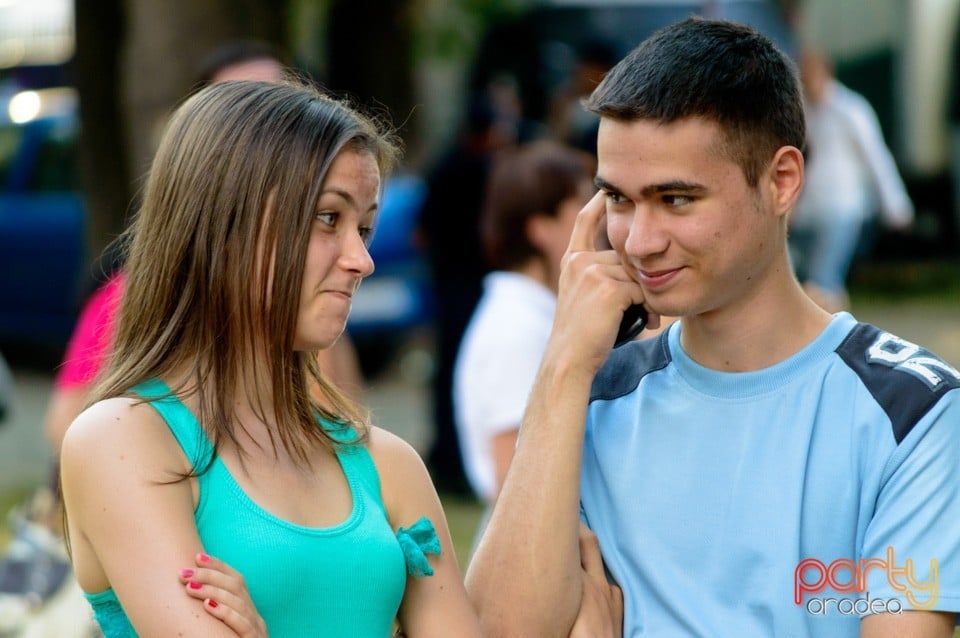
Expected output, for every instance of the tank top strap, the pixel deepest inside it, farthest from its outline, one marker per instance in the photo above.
(356, 460)
(181, 421)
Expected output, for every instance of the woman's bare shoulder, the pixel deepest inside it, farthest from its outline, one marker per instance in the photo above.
(391, 451)
(405, 483)
(121, 428)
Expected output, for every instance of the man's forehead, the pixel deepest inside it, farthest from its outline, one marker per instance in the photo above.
(652, 139)
(643, 154)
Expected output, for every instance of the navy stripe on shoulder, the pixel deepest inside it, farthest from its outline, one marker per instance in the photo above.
(905, 379)
(627, 365)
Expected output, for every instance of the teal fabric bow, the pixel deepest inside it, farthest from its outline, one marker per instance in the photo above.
(416, 542)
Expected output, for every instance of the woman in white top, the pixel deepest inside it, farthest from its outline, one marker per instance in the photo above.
(533, 196)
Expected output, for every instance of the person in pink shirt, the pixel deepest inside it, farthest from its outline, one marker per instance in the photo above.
(88, 349)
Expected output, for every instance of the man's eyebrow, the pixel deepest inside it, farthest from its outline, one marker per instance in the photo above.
(604, 185)
(673, 186)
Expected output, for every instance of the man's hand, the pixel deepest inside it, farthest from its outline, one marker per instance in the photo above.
(601, 609)
(594, 291)
(524, 579)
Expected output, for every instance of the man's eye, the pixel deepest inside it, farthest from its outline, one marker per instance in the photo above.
(327, 218)
(613, 198)
(676, 200)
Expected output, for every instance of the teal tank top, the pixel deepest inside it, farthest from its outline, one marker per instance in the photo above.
(341, 581)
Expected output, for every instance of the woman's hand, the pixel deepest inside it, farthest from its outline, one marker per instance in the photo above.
(224, 595)
(601, 609)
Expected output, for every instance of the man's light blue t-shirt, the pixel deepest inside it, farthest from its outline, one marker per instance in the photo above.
(783, 502)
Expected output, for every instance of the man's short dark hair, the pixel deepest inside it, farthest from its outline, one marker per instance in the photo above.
(718, 70)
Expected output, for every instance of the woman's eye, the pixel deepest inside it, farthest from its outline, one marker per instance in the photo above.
(366, 233)
(327, 218)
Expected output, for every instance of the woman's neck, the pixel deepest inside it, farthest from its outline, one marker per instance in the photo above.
(536, 269)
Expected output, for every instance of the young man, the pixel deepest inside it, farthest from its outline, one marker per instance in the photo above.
(763, 468)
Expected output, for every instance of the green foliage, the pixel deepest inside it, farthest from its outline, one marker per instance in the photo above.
(907, 282)
(463, 516)
(9, 498)
(449, 31)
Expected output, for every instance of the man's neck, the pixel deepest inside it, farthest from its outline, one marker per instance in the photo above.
(756, 333)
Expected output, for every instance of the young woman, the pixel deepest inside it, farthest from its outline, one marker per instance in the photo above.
(213, 432)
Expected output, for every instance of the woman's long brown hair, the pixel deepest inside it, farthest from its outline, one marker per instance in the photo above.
(214, 272)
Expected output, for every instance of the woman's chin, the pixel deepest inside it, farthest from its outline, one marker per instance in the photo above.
(317, 342)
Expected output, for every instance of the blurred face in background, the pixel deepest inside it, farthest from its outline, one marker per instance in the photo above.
(815, 74)
(257, 70)
(564, 220)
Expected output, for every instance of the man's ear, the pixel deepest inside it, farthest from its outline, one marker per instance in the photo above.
(786, 178)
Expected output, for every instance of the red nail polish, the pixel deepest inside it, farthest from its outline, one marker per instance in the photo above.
(186, 573)
(212, 603)
(203, 558)
(194, 585)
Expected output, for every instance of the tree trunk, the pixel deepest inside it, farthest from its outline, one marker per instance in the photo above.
(136, 59)
(99, 35)
(370, 57)
(167, 42)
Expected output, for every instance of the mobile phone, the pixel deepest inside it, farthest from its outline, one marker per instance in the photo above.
(635, 316)
(633, 322)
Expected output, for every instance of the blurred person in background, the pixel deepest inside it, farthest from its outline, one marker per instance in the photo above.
(449, 231)
(507, 102)
(953, 117)
(569, 121)
(241, 60)
(850, 172)
(532, 200)
(36, 587)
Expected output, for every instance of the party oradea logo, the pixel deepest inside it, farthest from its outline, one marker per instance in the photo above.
(814, 580)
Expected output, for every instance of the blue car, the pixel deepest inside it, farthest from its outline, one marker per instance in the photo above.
(42, 219)
(44, 270)
(397, 296)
